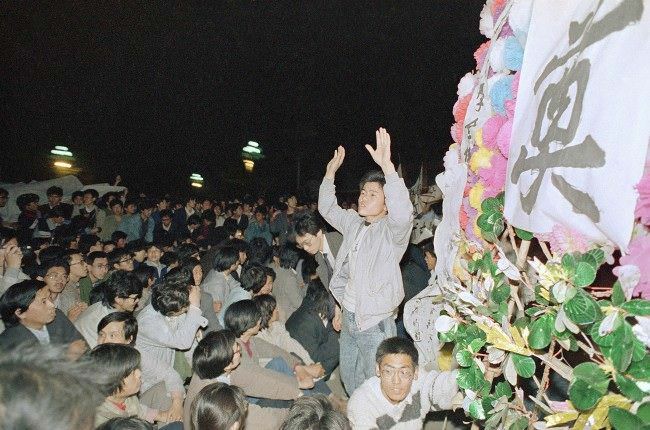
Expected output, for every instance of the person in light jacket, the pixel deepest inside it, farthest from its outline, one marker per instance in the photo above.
(366, 279)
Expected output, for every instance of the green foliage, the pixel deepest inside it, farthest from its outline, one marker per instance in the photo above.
(524, 366)
(541, 331)
(620, 419)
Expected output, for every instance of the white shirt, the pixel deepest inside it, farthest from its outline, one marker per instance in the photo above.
(42, 335)
(327, 253)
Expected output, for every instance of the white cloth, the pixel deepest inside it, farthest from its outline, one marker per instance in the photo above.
(88, 320)
(278, 335)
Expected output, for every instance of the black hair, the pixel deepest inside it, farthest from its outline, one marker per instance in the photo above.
(93, 192)
(173, 294)
(144, 274)
(130, 423)
(116, 361)
(253, 277)
(317, 299)
(119, 284)
(59, 262)
(116, 255)
(213, 354)
(117, 235)
(55, 212)
(193, 219)
(372, 176)
(289, 256)
(167, 213)
(241, 316)
(239, 244)
(308, 223)
(186, 250)
(209, 216)
(130, 324)
(261, 210)
(24, 199)
(91, 257)
(309, 267)
(427, 247)
(53, 252)
(225, 257)
(397, 345)
(4, 192)
(136, 245)
(77, 194)
(86, 241)
(218, 406)
(146, 203)
(54, 191)
(270, 272)
(260, 251)
(267, 304)
(115, 202)
(169, 258)
(18, 297)
(314, 413)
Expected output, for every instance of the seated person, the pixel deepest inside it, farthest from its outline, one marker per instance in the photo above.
(169, 323)
(219, 281)
(311, 326)
(274, 332)
(120, 364)
(31, 318)
(120, 292)
(130, 423)
(120, 259)
(97, 264)
(315, 413)
(117, 327)
(254, 282)
(214, 359)
(288, 290)
(399, 395)
(192, 268)
(154, 252)
(219, 406)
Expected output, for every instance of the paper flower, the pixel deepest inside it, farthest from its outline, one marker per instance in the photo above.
(476, 195)
(486, 25)
(460, 108)
(500, 92)
(563, 239)
(491, 130)
(457, 132)
(479, 54)
(466, 84)
(643, 202)
(481, 158)
(628, 276)
(496, 7)
(497, 55)
(503, 138)
(494, 176)
(639, 256)
(513, 55)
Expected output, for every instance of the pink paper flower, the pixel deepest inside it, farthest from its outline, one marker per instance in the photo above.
(457, 132)
(494, 177)
(480, 53)
(497, 7)
(460, 108)
(643, 202)
(563, 239)
(639, 256)
(503, 138)
(491, 130)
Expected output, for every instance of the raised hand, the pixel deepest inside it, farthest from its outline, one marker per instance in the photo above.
(335, 162)
(381, 154)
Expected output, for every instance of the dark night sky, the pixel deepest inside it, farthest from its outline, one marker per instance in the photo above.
(156, 91)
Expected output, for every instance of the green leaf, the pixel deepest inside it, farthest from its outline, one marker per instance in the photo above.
(541, 331)
(641, 369)
(623, 347)
(620, 419)
(607, 340)
(520, 424)
(470, 378)
(644, 412)
(502, 389)
(638, 350)
(637, 307)
(584, 395)
(569, 263)
(591, 373)
(618, 296)
(524, 366)
(629, 389)
(523, 234)
(584, 275)
(449, 336)
(582, 308)
(476, 345)
(500, 293)
(464, 358)
(598, 255)
(476, 410)
(491, 204)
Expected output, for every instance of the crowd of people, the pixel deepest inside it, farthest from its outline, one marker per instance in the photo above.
(139, 313)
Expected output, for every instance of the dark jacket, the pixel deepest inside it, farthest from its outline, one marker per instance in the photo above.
(322, 343)
(241, 225)
(61, 332)
(334, 240)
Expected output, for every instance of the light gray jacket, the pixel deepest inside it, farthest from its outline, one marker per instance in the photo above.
(381, 249)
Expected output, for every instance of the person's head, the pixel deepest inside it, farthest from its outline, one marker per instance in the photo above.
(309, 233)
(193, 266)
(237, 209)
(4, 196)
(154, 252)
(243, 318)
(219, 406)
(241, 246)
(130, 423)
(130, 206)
(55, 215)
(372, 201)
(292, 201)
(27, 202)
(40, 388)
(260, 214)
(119, 237)
(162, 203)
(120, 259)
(190, 202)
(166, 217)
(314, 413)
(260, 251)
(226, 259)
(169, 259)
(253, 278)
(89, 243)
(146, 207)
(75, 260)
(397, 367)
(429, 253)
(27, 303)
(109, 246)
(268, 307)
(116, 206)
(208, 217)
(121, 365)
(317, 300)
(146, 275)
(77, 198)
(56, 275)
(187, 250)
(117, 327)
(267, 288)
(90, 196)
(289, 256)
(121, 291)
(97, 265)
(172, 296)
(217, 353)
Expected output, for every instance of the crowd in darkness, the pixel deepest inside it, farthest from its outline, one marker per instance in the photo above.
(149, 312)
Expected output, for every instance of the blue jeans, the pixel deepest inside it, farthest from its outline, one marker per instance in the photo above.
(358, 349)
(280, 365)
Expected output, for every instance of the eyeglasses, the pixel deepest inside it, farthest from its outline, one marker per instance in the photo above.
(56, 276)
(403, 374)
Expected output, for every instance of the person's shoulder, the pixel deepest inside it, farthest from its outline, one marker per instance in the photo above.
(364, 392)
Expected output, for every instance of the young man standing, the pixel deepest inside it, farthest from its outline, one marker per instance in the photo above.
(366, 279)
(398, 395)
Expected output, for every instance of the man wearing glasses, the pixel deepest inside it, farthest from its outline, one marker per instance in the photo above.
(399, 395)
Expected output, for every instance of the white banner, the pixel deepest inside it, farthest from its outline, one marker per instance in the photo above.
(582, 121)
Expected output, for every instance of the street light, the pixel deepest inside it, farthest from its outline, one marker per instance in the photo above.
(196, 180)
(250, 153)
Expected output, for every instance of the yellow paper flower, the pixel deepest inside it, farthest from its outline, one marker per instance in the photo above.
(480, 159)
(476, 196)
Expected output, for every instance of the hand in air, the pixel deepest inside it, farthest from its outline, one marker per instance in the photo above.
(335, 162)
(381, 154)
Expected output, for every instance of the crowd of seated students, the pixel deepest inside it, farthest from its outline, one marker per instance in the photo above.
(200, 315)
